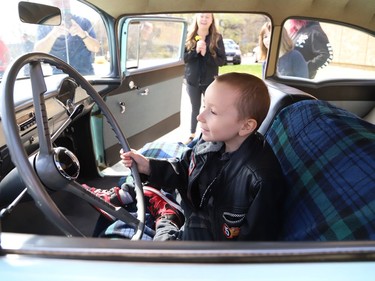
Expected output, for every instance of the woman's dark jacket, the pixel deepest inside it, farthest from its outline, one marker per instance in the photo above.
(314, 45)
(242, 203)
(201, 70)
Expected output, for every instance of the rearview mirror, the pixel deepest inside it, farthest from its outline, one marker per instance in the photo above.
(39, 14)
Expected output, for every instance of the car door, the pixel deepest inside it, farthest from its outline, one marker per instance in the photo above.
(147, 103)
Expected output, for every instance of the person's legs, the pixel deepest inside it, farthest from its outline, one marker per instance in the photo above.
(166, 230)
(119, 196)
(195, 100)
(164, 213)
(122, 230)
(101, 224)
(168, 215)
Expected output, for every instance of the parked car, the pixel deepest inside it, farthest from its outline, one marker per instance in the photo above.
(231, 42)
(255, 55)
(232, 52)
(62, 127)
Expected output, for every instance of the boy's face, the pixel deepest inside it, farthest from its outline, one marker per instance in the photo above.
(219, 118)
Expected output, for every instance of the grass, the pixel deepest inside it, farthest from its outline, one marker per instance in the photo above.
(255, 69)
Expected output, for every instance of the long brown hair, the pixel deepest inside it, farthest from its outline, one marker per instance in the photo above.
(263, 51)
(191, 41)
(286, 43)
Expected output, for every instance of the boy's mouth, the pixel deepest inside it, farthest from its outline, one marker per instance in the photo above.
(204, 130)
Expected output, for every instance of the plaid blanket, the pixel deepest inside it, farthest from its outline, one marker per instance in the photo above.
(328, 158)
(159, 149)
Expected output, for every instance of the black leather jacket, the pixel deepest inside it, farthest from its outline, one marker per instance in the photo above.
(242, 203)
(201, 71)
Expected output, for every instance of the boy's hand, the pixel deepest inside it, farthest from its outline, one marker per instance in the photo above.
(142, 162)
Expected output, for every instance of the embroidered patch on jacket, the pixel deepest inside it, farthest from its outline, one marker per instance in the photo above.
(231, 226)
(231, 232)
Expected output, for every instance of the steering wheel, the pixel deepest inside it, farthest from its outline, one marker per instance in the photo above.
(58, 168)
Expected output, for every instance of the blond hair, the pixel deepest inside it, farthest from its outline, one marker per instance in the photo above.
(286, 43)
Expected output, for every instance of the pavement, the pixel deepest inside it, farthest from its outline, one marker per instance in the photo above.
(182, 133)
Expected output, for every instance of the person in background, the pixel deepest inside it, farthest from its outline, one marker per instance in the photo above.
(204, 53)
(290, 62)
(28, 47)
(74, 41)
(310, 39)
(230, 182)
(140, 43)
(264, 39)
(4, 57)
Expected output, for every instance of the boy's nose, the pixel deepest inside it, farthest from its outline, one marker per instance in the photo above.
(200, 117)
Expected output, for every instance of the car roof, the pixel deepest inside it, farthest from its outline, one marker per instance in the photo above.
(356, 12)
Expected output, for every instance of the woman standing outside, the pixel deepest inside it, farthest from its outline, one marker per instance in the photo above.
(204, 53)
(310, 39)
(290, 62)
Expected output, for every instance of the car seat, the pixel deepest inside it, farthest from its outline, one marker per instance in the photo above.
(327, 156)
(370, 117)
(281, 96)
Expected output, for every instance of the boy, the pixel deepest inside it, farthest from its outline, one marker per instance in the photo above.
(230, 182)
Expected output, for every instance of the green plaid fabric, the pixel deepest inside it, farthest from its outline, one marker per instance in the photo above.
(328, 158)
(160, 149)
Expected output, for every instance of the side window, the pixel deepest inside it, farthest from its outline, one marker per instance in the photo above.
(151, 42)
(329, 51)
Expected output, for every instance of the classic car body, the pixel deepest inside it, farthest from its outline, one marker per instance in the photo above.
(47, 220)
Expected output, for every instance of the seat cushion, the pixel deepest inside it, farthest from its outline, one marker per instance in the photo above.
(328, 158)
(370, 117)
(281, 96)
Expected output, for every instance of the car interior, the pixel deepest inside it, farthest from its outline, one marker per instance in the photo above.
(61, 129)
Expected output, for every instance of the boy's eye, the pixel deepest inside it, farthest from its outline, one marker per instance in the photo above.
(209, 110)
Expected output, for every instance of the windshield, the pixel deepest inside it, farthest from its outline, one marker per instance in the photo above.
(80, 40)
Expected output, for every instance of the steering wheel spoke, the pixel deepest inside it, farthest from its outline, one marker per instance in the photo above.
(39, 88)
(115, 211)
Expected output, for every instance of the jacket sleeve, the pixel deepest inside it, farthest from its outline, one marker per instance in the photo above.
(320, 47)
(263, 219)
(190, 55)
(220, 58)
(170, 174)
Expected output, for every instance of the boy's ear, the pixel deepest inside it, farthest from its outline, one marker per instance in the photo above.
(248, 127)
